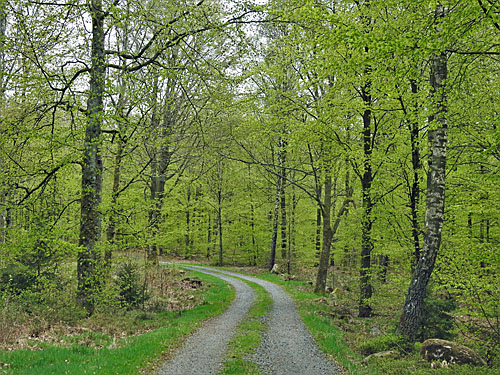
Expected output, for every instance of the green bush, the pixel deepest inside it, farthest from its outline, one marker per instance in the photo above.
(31, 260)
(437, 322)
(16, 277)
(132, 293)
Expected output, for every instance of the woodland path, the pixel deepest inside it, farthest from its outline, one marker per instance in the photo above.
(203, 352)
(287, 347)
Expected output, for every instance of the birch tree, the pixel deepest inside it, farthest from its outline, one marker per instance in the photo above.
(434, 213)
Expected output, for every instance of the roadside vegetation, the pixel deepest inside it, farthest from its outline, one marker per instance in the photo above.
(350, 340)
(141, 318)
(146, 312)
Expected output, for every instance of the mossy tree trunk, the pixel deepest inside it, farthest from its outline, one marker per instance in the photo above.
(90, 219)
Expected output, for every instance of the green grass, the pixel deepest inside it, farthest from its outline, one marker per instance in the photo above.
(131, 355)
(315, 317)
(248, 335)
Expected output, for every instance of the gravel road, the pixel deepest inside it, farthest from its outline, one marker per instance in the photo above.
(287, 347)
(203, 352)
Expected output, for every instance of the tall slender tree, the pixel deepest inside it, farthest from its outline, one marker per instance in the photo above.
(435, 203)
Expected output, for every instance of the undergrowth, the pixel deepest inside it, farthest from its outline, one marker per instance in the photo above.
(97, 353)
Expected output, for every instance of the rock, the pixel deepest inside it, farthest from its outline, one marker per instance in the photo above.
(449, 352)
(375, 331)
(387, 354)
(443, 364)
(275, 269)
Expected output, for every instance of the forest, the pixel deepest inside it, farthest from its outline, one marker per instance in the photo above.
(352, 143)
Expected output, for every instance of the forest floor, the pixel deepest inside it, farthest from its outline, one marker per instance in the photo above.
(174, 292)
(53, 337)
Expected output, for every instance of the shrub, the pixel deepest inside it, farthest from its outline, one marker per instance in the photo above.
(12, 321)
(437, 322)
(132, 293)
(16, 278)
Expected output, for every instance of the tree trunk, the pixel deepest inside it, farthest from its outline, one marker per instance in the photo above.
(209, 235)
(90, 220)
(324, 258)
(334, 208)
(274, 238)
(279, 182)
(187, 241)
(159, 166)
(254, 252)
(318, 231)
(219, 224)
(366, 220)
(154, 215)
(292, 231)
(434, 213)
(111, 229)
(415, 187)
(349, 190)
(329, 232)
(156, 190)
(383, 263)
(488, 230)
(284, 238)
(196, 223)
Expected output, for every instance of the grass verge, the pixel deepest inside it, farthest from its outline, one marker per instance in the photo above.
(129, 356)
(248, 335)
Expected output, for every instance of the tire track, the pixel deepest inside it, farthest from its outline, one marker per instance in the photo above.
(204, 351)
(287, 347)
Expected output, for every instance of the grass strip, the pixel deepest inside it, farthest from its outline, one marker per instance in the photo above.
(248, 335)
(132, 355)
